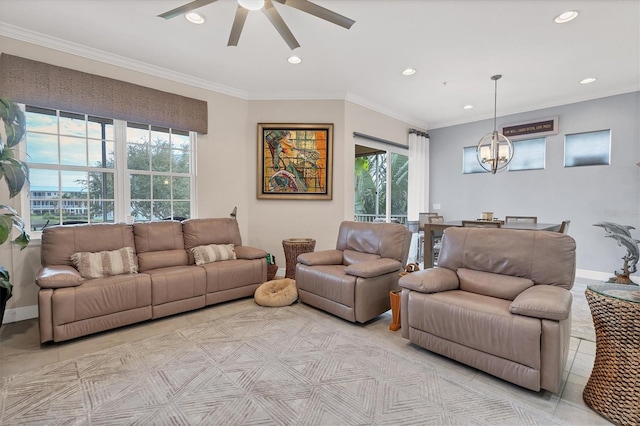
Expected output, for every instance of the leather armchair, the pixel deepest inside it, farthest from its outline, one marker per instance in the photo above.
(498, 301)
(354, 280)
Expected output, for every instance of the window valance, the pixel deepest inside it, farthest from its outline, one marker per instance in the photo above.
(45, 85)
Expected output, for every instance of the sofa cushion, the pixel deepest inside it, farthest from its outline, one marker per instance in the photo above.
(105, 263)
(213, 253)
(349, 257)
(490, 284)
(479, 322)
(100, 297)
(543, 301)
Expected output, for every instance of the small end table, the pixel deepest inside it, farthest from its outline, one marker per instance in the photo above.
(613, 389)
(292, 248)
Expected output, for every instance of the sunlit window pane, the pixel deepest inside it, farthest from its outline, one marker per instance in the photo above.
(161, 210)
(141, 210)
(587, 149)
(73, 124)
(42, 149)
(101, 154)
(138, 157)
(161, 187)
(181, 188)
(73, 151)
(180, 161)
(470, 162)
(100, 128)
(140, 187)
(528, 154)
(101, 185)
(41, 120)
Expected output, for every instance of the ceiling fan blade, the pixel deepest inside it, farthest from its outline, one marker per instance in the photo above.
(185, 8)
(238, 24)
(320, 12)
(278, 22)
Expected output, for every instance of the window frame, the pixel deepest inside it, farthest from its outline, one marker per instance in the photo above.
(121, 173)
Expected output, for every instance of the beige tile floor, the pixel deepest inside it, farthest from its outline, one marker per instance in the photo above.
(21, 351)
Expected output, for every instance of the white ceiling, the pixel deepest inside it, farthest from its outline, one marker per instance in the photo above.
(456, 46)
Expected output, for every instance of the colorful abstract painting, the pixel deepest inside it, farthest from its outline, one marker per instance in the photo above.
(294, 161)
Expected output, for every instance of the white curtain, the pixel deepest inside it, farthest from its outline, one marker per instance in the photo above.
(418, 174)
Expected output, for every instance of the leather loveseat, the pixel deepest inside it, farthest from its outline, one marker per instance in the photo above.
(138, 272)
(498, 301)
(354, 280)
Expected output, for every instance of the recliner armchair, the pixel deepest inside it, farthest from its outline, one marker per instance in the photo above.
(354, 280)
(498, 301)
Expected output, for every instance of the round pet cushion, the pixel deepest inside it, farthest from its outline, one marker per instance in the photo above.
(276, 293)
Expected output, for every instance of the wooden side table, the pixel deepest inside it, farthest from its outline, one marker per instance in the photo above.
(613, 389)
(292, 248)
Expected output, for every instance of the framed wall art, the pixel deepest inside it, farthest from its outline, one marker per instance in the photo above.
(295, 161)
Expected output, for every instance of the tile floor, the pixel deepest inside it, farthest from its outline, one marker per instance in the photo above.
(21, 351)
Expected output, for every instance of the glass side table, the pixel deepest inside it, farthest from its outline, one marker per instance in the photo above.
(613, 389)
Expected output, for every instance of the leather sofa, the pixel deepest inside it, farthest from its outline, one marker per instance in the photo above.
(498, 301)
(161, 276)
(354, 280)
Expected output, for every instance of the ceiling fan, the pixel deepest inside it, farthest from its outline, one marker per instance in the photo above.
(244, 6)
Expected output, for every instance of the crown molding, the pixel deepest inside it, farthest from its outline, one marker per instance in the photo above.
(66, 46)
(367, 103)
(33, 37)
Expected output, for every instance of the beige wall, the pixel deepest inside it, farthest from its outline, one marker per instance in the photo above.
(226, 166)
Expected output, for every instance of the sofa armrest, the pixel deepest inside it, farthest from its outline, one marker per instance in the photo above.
(324, 257)
(58, 276)
(246, 252)
(543, 301)
(432, 280)
(373, 268)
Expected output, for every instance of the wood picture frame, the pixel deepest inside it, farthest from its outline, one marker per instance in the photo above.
(295, 161)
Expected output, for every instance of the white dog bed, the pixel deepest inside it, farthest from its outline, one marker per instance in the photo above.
(276, 293)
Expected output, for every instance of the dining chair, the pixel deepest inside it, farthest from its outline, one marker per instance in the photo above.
(564, 227)
(521, 219)
(481, 224)
(437, 238)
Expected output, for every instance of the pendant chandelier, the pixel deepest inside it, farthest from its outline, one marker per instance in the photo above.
(495, 150)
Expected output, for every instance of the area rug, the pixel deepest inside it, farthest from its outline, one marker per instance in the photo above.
(291, 365)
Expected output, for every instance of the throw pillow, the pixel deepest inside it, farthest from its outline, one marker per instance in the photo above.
(105, 263)
(213, 253)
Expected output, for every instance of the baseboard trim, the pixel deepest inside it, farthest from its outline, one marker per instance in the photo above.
(598, 275)
(20, 314)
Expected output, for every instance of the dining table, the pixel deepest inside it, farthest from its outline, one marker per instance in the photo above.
(431, 228)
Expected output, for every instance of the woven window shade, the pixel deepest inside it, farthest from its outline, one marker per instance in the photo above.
(44, 85)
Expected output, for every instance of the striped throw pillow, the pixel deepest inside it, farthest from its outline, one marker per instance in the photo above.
(213, 253)
(105, 263)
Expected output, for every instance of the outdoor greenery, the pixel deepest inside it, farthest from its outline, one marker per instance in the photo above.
(159, 157)
(16, 174)
(371, 184)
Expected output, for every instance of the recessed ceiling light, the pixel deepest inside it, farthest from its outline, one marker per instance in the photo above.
(294, 60)
(194, 18)
(467, 107)
(588, 80)
(565, 17)
(251, 4)
(409, 71)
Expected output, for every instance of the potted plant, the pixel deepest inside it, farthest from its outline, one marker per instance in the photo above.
(15, 173)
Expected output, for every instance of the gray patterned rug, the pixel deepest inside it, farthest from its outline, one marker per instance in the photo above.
(281, 366)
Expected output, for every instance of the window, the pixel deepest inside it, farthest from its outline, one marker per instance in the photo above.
(381, 185)
(159, 165)
(75, 170)
(528, 154)
(587, 149)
